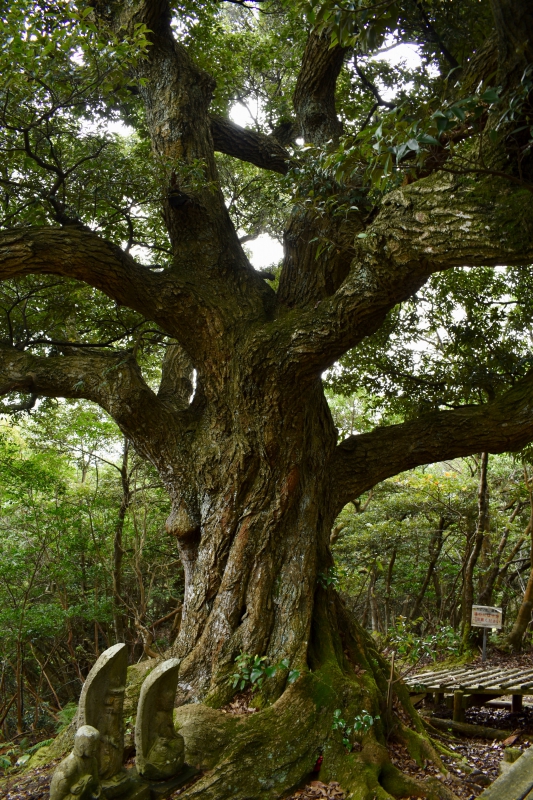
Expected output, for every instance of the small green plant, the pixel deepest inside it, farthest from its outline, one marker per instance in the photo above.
(5, 763)
(20, 752)
(254, 670)
(33, 749)
(328, 578)
(10, 756)
(361, 724)
(411, 647)
(128, 726)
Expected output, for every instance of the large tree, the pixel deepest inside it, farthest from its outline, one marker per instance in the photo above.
(239, 428)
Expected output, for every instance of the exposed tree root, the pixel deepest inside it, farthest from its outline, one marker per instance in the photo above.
(269, 754)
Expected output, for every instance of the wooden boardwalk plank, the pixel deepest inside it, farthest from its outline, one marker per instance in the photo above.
(453, 676)
(474, 680)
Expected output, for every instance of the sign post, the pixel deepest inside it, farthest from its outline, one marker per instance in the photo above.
(486, 617)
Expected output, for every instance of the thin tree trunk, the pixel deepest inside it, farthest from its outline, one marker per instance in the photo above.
(524, 615)
(388, 589)
(449, 603)
(118, 550)
(489, 579)
(19, 678)
(374, 611)
(438, 594)
(503, 570)
(435, 547)
(481, 528)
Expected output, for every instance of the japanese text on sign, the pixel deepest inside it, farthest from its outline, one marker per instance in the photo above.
(486, 617)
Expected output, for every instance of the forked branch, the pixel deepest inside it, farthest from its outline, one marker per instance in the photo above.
(435, 224)
(76, 253)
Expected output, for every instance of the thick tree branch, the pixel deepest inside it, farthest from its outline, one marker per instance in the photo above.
(306, 279)
(176, 386)
(514, 27)
(435, 224)
(314, 95)
(113, 381)
(256, 148)
(503, 425)
(76, 253)
(186, 312)
(176, 95)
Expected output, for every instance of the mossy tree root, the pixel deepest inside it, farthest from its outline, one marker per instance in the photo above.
(269, 753)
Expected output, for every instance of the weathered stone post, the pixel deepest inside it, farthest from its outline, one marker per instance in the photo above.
(76, 777)
(159, 748)
(101, 704)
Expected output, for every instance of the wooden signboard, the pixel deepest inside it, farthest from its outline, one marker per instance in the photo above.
(486, 617)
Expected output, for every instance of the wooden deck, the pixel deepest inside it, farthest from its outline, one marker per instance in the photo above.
(470, 685)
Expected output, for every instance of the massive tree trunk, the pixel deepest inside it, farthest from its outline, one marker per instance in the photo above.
(258, 531)
(250, 458)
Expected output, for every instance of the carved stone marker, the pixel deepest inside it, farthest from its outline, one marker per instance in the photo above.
(76, 777)
(159, 748)
(101, 702)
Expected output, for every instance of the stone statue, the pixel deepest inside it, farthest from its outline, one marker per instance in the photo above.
(76, 777)
(159, 749)
(101, 702)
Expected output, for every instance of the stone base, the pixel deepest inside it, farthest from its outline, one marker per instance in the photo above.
(141, 789)
(161, 789)
(118, 787)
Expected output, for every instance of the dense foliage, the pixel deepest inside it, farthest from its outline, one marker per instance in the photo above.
(62, 491)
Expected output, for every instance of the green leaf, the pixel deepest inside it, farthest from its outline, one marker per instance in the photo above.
(293, 676)
(491, 95)
(425, 138)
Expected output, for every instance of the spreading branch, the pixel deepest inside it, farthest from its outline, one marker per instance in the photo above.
(113, 380)
(435, 224)
(503, 425)
(186, 312)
